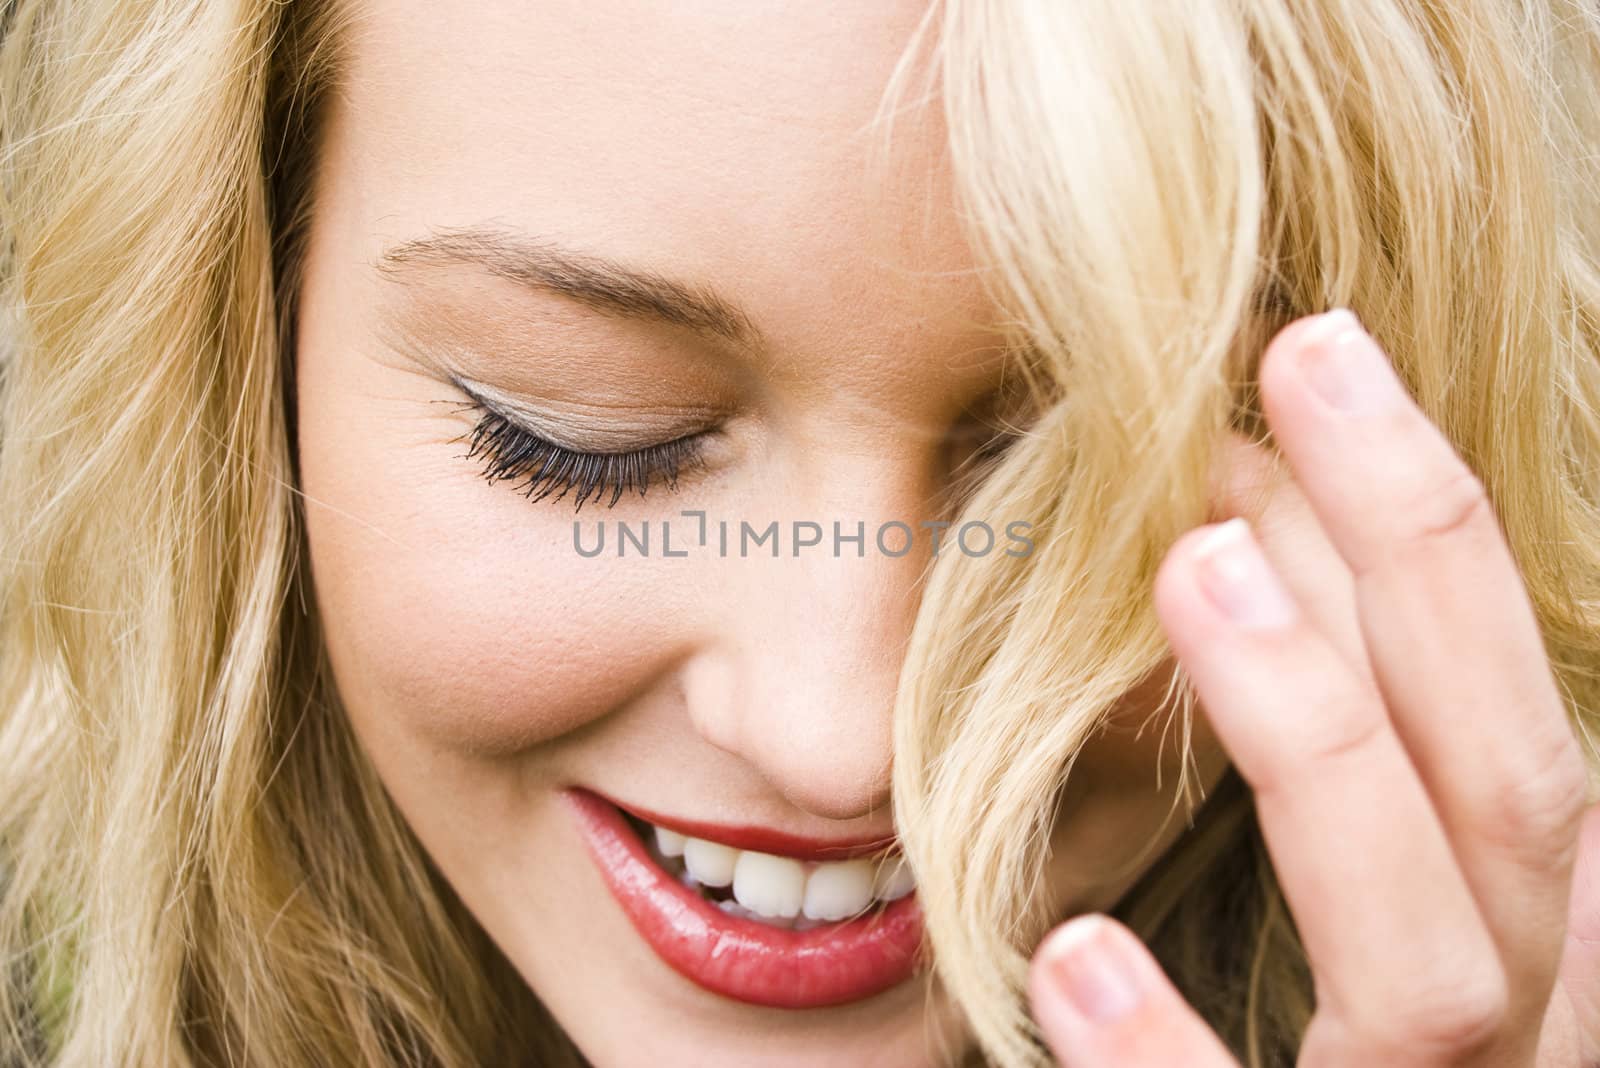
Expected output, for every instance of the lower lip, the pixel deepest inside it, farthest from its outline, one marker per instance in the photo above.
(744, 959)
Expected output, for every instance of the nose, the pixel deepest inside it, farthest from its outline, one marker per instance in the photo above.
(801, 682)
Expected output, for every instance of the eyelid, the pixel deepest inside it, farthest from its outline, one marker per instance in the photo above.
(617, 442)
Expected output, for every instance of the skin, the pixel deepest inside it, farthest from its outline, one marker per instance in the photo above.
(1469, 937)
(484, 664)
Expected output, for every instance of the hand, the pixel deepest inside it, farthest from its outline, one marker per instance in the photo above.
(1390, 702)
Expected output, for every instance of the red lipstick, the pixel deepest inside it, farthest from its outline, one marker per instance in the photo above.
(747, 960)
(766, 840)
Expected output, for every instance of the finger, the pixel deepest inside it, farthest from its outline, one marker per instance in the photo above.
(1580, 960)
(1451, 635)
(1250, 480)
(1100, 999)
(1404, 966)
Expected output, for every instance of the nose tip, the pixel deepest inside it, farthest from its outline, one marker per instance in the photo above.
(806, 695)
(819, 733)
(844, 790)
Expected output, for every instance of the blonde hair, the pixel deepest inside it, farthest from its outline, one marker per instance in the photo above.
(199, 866)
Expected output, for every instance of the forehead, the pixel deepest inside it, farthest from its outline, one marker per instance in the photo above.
(713, 89)
(723, 141)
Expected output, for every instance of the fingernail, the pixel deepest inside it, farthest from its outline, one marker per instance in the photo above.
(1090, 968)
(1343, 365)
(1238, 580)
(1086, 963)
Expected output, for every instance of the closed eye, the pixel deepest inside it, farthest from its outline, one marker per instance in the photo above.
(511, 451)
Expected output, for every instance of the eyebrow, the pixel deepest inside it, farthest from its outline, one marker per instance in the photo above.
(603, 284)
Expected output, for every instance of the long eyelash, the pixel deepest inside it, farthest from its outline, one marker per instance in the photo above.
(511, 452)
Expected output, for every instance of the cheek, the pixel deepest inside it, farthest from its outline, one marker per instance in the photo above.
(456, 611)
(477, 650)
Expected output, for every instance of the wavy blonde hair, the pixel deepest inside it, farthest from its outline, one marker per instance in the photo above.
(198, 865)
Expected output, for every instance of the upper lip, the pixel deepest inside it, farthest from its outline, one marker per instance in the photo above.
(765, 839)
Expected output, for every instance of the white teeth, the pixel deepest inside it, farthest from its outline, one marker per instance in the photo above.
(710, 862)
(769, 885)
(782, 891)
(838, 890)
(670, 842)
(733, 908)
(892, 880)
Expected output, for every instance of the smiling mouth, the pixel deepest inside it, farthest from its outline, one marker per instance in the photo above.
(819, 933)
(772, 889)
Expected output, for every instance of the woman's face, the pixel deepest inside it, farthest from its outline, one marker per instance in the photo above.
(623, 225)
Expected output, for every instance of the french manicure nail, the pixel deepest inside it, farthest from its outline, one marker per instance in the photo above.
(1237, 578)
(1087, 965)
(1344, 365)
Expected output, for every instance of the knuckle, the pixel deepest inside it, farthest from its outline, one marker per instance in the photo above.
(1538, 813)
(1349, 729)
(1355, 726)
(1451, 1013)
(1446, 508)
